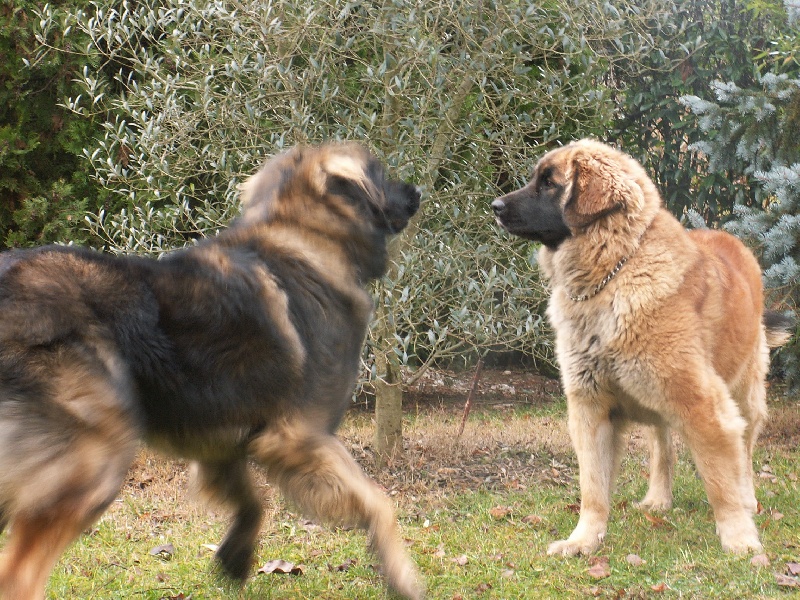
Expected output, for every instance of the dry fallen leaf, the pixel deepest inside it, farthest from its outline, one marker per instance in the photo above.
(532, 519)
(635, 560)
(767, 473)
(500, 512)
(760, 560)
(655, 520)
(440, 553)
(794, 568)
(483, 587)
(461, 560)
(786, 580)
(345, 566)
(658, 588)
(600, 567)
(282, 567)
(163, 551)
(309, 525)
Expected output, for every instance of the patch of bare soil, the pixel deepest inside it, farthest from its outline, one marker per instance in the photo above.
(782, 430)
(496, 454)
(493, 386)
(499, 449)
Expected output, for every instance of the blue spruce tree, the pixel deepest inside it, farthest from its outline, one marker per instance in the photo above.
(755, 133)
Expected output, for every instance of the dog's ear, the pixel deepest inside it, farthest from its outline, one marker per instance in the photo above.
(600, 187)
(346, 165)
(257, 194)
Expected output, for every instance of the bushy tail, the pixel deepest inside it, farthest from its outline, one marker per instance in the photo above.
(779, 328)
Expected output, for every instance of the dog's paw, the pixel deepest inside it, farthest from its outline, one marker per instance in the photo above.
(585, 538)
(654, 503)
(743, 546)
(744, 543)
(740, 537)
(235, 560)
(572, 547)
(408, 585)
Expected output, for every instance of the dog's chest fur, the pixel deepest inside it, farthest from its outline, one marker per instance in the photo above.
(587, 345)
(600, 357)
(603, 343)
(599, 338)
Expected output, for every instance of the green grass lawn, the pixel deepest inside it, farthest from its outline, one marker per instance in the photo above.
(477, 515)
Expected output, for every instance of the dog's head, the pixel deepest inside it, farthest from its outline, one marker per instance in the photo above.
(341, 182)
(336, 193)
(582, 184)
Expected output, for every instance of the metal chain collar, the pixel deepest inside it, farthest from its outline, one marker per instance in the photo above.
(599, 287)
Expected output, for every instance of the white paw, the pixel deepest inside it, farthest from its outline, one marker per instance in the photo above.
(739, 536)
(654, 503)
(572, 547)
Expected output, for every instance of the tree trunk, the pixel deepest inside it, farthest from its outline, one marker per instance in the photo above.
(388, 395)
(388, 387)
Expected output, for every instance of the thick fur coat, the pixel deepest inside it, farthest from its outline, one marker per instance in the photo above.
(245, 346)
(654, 324)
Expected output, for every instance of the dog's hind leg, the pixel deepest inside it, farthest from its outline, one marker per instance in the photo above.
(750, 394)
(756, 418)
(317, 473)
(34, 546)
(64, 454)
(228, 483)
(73, 491)
(714, 430)
(662, 467)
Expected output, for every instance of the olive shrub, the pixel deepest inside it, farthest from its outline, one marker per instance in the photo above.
(458, 96)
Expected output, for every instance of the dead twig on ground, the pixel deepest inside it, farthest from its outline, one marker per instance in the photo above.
(468, 404)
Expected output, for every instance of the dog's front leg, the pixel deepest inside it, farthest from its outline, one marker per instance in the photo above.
(596, 438)
(317, 473)
(228, 483)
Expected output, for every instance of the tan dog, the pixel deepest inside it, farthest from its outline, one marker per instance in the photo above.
(654, 325)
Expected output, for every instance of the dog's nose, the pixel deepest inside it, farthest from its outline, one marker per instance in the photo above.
(498, 206)
(415, 196)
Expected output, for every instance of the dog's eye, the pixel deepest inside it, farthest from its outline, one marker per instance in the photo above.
(546, 180)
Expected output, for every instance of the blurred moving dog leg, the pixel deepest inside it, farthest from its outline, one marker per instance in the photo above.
(81, 486)
(229, 483)
(66, 449)
(317, 473)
